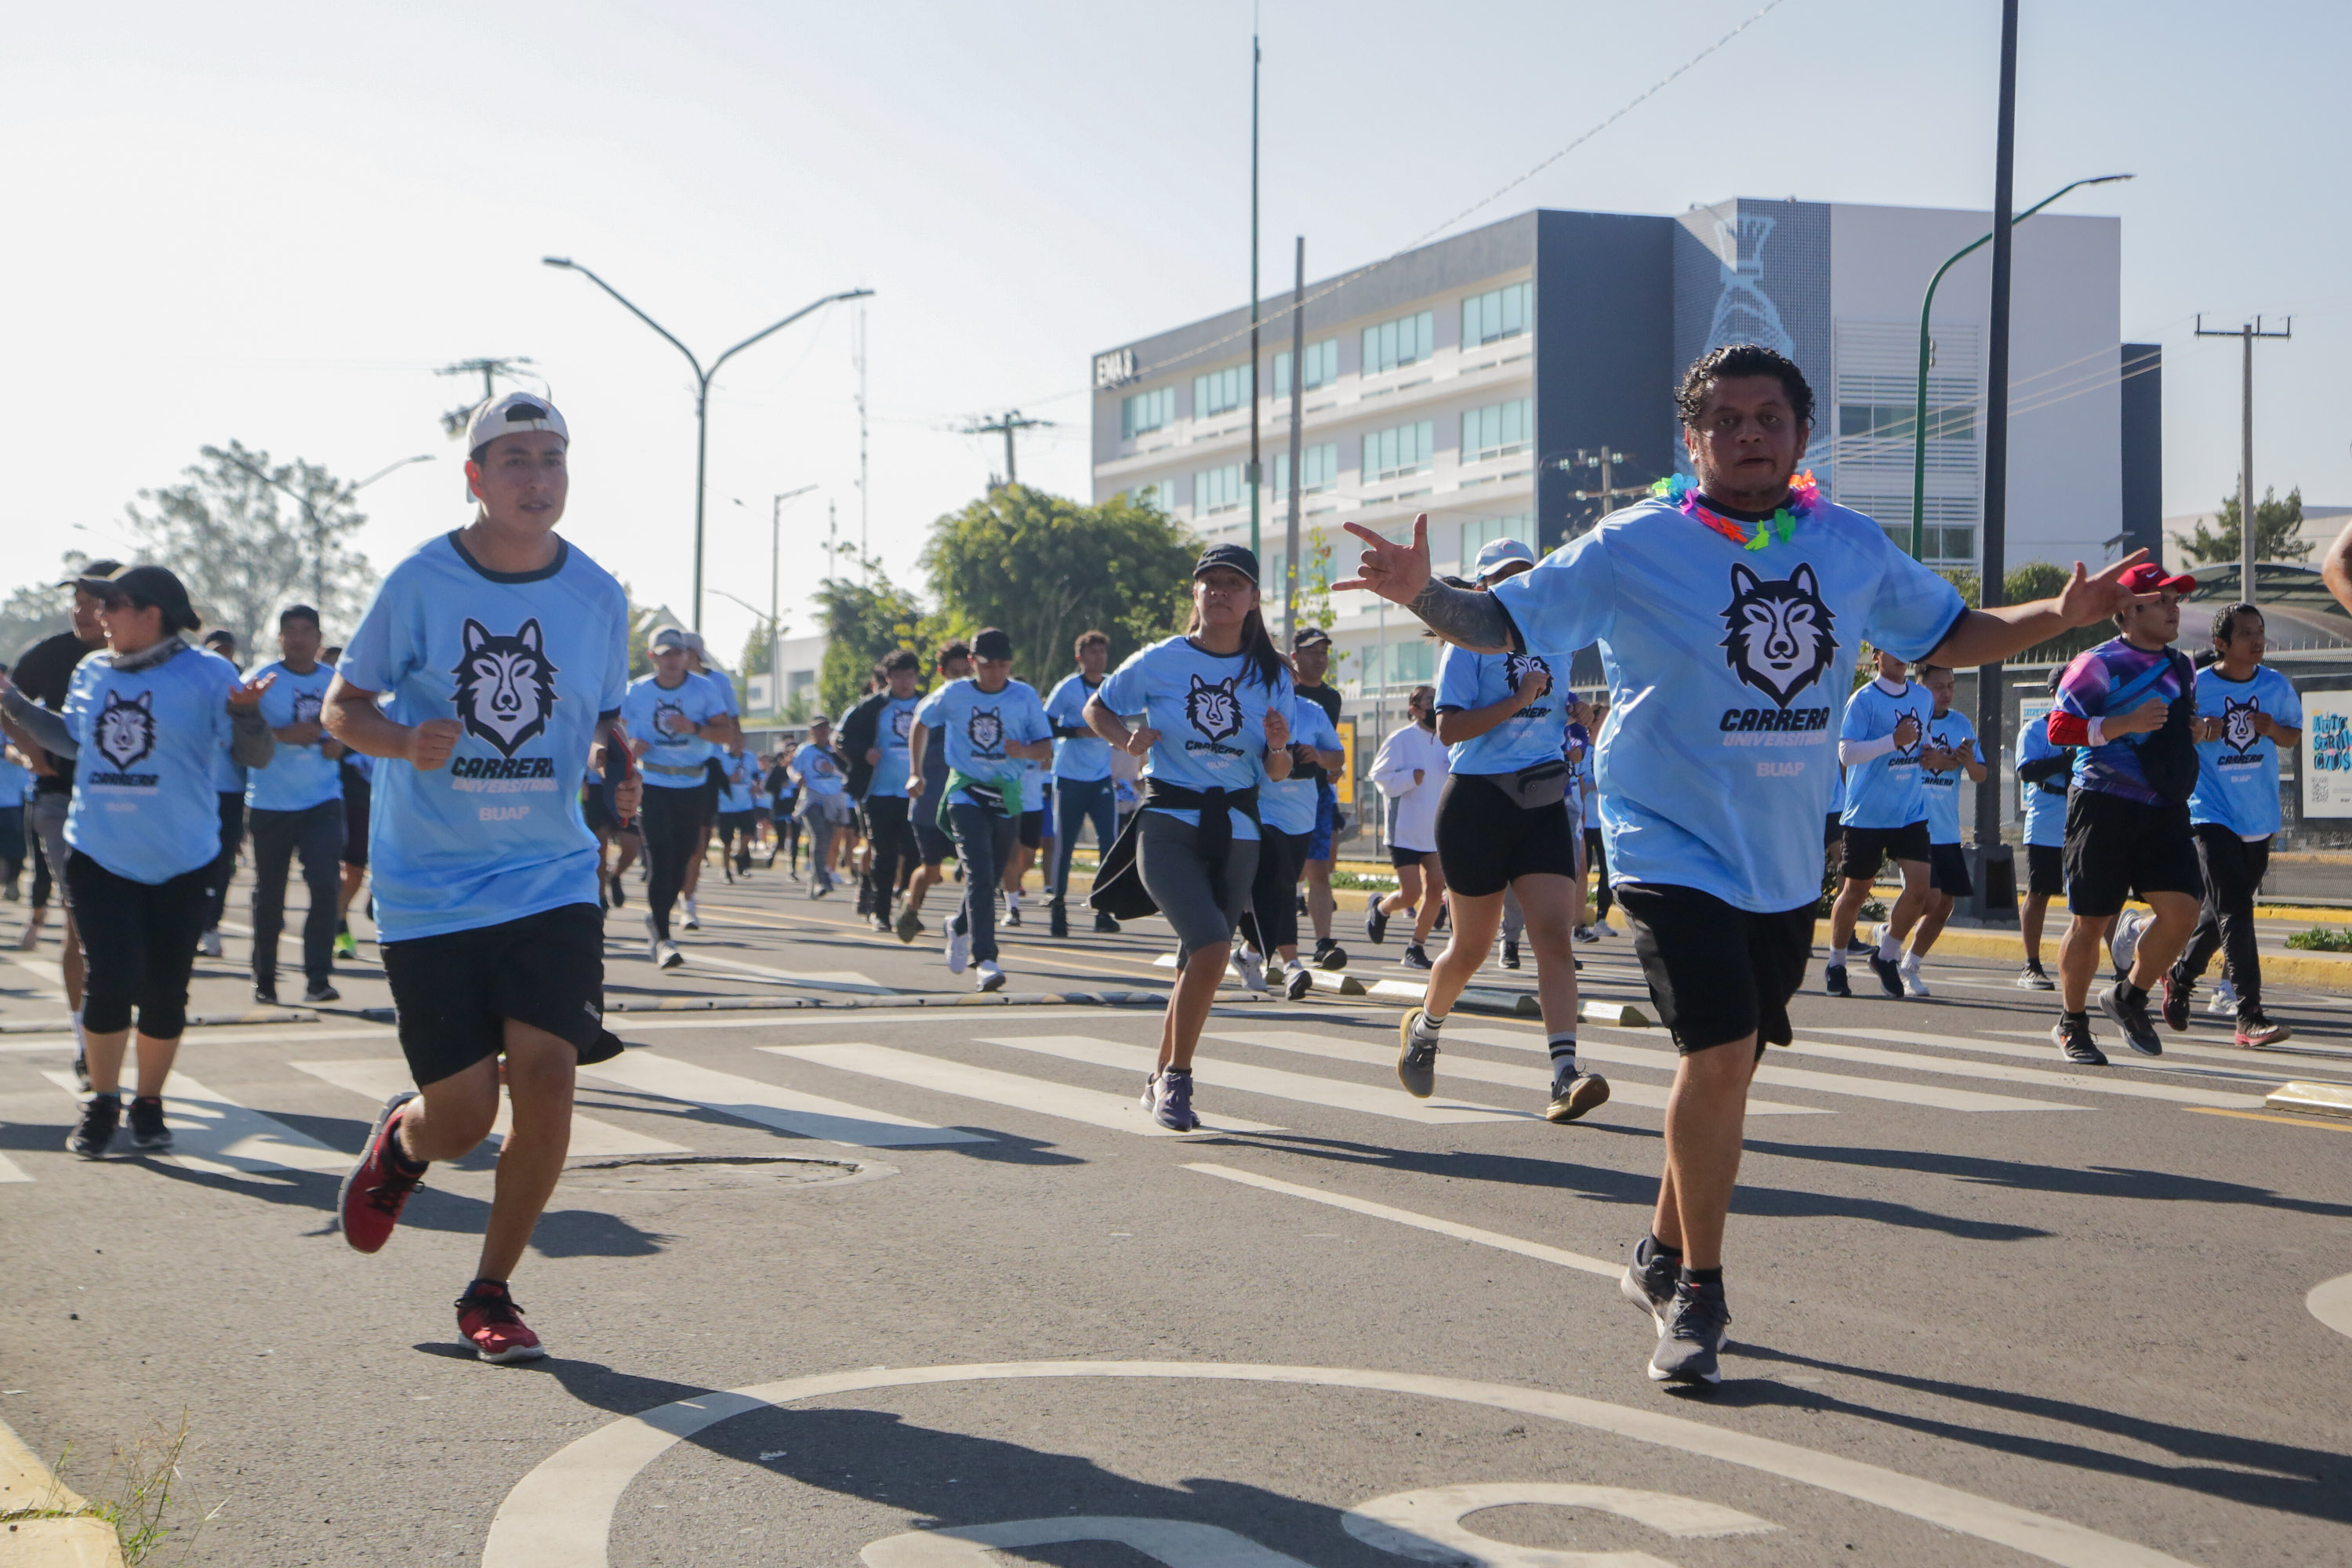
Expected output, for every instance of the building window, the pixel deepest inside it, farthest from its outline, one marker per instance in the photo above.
(1949, 537)
(1218, 489)
(1318, 469)
(1145, 412)
(1162, 495)
(1398, 451)
(1496, 314)
(1413, 662)
(1219, 391)
(1476, 536)
(1498, 429)
(1322, 367)
(1399, 342)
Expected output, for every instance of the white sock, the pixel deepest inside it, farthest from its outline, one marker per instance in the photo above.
(81, 1041)
(1890, 947)
(1012, 900)
(1563, 1057)
(1427, 1025)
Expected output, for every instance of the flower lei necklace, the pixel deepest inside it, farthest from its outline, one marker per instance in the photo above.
(1804, 491)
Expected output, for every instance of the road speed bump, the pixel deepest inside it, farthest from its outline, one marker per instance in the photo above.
(2313, 1099)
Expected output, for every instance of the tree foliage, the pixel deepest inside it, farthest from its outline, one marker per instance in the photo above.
(1045, 569)
(862, 621)
(245, 548)
(2278, 525)
(37, 610)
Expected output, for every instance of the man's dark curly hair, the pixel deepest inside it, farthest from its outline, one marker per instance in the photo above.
(1742, 359)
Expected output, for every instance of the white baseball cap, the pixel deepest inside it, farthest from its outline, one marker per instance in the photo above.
(511, 416)
(1499, 553)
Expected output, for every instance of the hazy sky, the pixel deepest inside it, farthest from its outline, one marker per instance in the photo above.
(272, 222)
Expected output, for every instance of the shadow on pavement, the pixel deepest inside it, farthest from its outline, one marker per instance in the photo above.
(2095, 1182)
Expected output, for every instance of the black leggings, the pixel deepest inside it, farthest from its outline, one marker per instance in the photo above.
(139, 941)
(1596, 856)
(2233, 871)
(890, 828)
(1271, 920)
(232, 818)
(671, 823)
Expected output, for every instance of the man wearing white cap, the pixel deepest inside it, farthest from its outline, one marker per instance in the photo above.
(499, 654)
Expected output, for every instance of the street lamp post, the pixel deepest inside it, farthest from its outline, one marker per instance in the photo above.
(1920, 412)
(310, 514)
(775, 575)
(702, 388)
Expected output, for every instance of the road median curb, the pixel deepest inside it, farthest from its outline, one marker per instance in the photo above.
(44, 1523)
(2312, 971)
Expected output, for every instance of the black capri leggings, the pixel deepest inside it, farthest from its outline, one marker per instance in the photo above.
(1271, 921)
(671, 823)
(138, 942)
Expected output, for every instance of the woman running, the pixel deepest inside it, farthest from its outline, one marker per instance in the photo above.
(146, 719)
(1410, 769)
(824, 802)
(738, 777)
(1286, 810)
(1215, 705)
(1504, 825)
(784, 795)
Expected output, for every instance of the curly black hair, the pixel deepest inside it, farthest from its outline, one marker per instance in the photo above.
(1742, 359)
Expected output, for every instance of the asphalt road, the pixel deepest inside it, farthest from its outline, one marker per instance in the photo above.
(1986, 1309)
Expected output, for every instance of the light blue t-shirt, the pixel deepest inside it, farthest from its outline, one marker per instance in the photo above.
(17, 783)
(2238, 776)
(526, 662)
(1885, 792)
(1719, 755)
(297, 777)
(977, 724)
(1210, 713)
(819, 773)
(1078, 759)
(894, 731)
(143, 802)
(2045, 802)
(1288, 805)
(723, 686)
(1536, 733)
(228, 778)
(741, 775)
(664, 718)
(1953, 731)
(1587, 787)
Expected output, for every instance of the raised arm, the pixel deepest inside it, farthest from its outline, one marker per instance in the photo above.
(1400, 574)
(1980, 637)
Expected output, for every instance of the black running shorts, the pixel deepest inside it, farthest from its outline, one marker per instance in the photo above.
(358, 796)
(1487, 840)
(1833, 832)
(1948, 870)
(2115, 848)
(1718, 973)
(1033, 829)
(1865, 846)
(2045, 870)
(454, 992)
(1399, 858)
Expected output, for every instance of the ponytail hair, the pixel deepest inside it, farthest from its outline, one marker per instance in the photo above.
(1261, 659)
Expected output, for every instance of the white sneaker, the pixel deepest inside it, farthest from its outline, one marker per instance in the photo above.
(959, 952)
(693, 921)
(2224, 1002)
(1250, 967)
(990, 977)
(2123, 939)
(210, 945)
(1878, 936)
(665, 954)
(1913, 985)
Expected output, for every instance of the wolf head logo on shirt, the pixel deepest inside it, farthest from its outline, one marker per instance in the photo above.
(2238, 724)
(1780, 632)
(1215, 710)
(1516, 667)
(985, 730)
(126, 731)
(308, 706)
(902, 723)
(506, 686)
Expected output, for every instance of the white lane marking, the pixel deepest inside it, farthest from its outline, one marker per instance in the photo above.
(381, 1077)
(836, 1019)
(1119, 1113)
(51, 977)
(1427, 1526)
(1934, 1096)
(1339, 1094)
(215, 1135)
(1495, 1239)
(12, 1172)
(772, 1105)
(210, 1034)
(2331, 1303)
(816, 980)
(2248, 1064)
(560, 1514)
(2128, 1088)
(1536, 1078)
(1172, 1542)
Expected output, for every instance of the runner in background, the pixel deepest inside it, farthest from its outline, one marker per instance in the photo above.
(1310, 661)
(1410, 770)
(1596, 852)
(783, 793)
(2246, 711)
(1287, 814)
(930, 756)
(295, 805)
(1082, 788)
(857, 748)
(1949, 751)
(1886, 818)
(358, 772)
(1577, 749)
(889, 758)
(675, 723)
(2042, 773)
(722, 686)
(739, 781)
(824, 802)
(229, 780)
(16, 784)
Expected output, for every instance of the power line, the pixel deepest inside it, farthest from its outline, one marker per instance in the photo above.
(1004, 425)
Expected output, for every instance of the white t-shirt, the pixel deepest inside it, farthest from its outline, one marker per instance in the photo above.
(1407, 748)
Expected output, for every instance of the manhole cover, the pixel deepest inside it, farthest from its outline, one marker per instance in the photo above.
(706, 1172)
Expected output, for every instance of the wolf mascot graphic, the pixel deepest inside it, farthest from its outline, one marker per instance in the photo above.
(506, 686)
(126, 731)
(2238, 724)
(985, 730)
(1215, 710)
(1781, 633)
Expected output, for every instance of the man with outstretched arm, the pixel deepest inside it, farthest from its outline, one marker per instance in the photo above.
(1720, 606)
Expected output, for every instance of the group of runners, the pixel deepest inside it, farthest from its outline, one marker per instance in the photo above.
(488, 679)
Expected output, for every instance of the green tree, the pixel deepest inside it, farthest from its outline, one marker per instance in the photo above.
(2022, 585)
(862, 621)
(37, 610)
(1045, 569)
(2277, 525)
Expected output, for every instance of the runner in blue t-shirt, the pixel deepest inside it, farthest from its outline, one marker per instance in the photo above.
(889, 820)
(738, 781)
(677, 724)
(228, 780)
(1082, 788)
(503, 653)
(2042, 773)
(2246, 711)
(928, 761)
(1721, 607)
(722, 686)
(1886, 818)
(296, 806)
(1948, 750)
(1287, 811)
(824, 804)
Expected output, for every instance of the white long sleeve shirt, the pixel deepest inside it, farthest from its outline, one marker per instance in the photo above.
(1405, 749)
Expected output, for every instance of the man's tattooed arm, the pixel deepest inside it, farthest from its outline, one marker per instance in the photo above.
(1463, 616)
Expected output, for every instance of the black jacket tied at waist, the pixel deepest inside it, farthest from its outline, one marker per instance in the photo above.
(1118, 890)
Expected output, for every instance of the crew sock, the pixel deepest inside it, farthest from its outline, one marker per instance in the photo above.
(1429, 1024)
(2073, 1021)
(1890, 946)
(1564, 1059)
(1660, 1250)
(2131, 996)
(1699, 1277)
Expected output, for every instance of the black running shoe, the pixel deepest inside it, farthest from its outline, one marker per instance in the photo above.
(620, 899)
(100, 1114)
(1854, 944)
(1415, 957)
(1510, 954)
(265, 992)
(1104, 923)
(2176, 1002)
(2131, 1017)
(1889, 972)
(1376, 922)
(1834, 980)
(1697, 1322)
(1649, 1280)
(148, 1133)
(1416, 1057)
(1330, 955)
(1582, 1092)
(2074, 1043)
(1057, 918)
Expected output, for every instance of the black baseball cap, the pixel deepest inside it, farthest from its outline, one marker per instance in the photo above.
(1238, 557)
(1306, 637)
(144, 586)
(992, 644)
(94, 569)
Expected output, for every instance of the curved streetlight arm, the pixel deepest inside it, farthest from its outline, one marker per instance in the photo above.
(1919, 409)
(755, 609)
(701, 377)
(392, 468)
(780, 326)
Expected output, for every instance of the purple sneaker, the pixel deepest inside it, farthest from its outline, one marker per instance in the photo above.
(1171, 1102)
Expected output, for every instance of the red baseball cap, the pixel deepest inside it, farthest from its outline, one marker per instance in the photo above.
(2148, 577)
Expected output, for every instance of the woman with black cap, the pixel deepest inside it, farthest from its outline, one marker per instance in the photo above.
(147, 720)
(1215, 704)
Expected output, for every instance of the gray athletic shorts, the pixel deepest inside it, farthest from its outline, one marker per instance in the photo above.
(1179, 883)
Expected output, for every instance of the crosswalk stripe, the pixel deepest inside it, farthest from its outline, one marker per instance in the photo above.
(1336, 1093)
(380, 1078)
(1119, 1113)
(12, 1172)
(1535, 1249)
(2128, 1089)
(813, 980)
(213, 1133)
(1934, 1096)
(772, 1105)
(1459, 1066)
(2296, 1055)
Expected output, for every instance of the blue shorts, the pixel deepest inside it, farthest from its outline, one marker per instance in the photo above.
(1327, 818)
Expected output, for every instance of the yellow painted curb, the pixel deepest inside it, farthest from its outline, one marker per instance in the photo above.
(26, 1484)
(27, 1487)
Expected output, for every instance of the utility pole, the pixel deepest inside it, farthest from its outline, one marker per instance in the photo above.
(1298, 413)
(1606, 461)
(864, 545)
(2247, 334)
(1004, 425)
(1256, 483)
(1990, 712)
(775, 574)
(489, 369)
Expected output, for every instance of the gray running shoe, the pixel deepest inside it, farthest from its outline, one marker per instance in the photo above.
(1416, 1056)
(2076, 1044)
(1298, 980)
(1649, 1281)
(1697, 1322)
(1582, 1092)
(1376, 923)
(2131, 1017)
(2032, 978)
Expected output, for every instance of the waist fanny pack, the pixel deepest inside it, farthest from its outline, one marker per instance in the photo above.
(1532, 788)
(1001, 796)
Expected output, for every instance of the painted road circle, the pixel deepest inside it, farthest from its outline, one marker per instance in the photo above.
(561, 1515)
(2332, 1303)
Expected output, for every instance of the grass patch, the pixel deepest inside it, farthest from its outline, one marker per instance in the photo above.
(2322, 939)
(142, 1494)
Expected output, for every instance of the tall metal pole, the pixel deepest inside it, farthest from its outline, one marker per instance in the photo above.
(776, 641)
(1994, 561)
(1297, 414)
(1257, 481)
(2246, 474)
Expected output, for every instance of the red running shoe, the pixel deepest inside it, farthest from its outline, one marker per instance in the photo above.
(492, 1323)
(377, 1189)
(2176, 1003)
